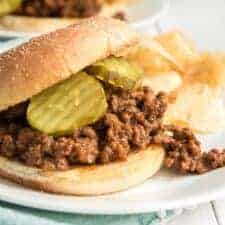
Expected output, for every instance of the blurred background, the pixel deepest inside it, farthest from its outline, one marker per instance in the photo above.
(203, 20)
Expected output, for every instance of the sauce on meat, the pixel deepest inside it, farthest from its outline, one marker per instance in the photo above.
(133, 121)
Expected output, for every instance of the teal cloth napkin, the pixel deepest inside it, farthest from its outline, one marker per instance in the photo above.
(17, 215)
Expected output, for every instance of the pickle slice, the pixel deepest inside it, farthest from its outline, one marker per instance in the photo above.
(7, 6)
(71, 104)
(116, 71)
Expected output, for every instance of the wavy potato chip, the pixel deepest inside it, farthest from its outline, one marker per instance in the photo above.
(180, 47)
(172, 63)
(166, 82)
(152, 57)
(221, 56)
(199, 107)
(210, 70)
(199, 102)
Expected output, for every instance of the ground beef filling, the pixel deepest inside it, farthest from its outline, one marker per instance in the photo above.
(133, 121)
(63, 8)
(184, 154)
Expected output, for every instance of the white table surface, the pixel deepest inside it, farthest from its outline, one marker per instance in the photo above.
(204, 21)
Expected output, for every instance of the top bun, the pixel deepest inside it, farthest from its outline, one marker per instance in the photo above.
(46, 60)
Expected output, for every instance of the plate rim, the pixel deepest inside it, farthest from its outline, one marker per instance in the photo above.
(111, 206)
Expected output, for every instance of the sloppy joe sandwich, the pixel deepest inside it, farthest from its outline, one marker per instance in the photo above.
(86, 110)
(73, 120)
(41, 16)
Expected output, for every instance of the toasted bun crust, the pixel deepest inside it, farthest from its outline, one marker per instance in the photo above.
(50, 58)
(41, 25)
(88, 180)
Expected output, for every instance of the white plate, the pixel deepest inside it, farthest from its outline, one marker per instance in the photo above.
(164, 191)
(141, 15)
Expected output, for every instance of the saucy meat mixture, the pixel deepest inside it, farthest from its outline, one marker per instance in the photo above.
(62, 8)
(133, 121)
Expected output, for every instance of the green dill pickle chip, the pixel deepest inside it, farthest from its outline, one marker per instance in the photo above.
(117, 71)
(7, 6)
(71, 104)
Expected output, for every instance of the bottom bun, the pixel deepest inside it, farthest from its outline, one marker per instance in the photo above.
(88, 180)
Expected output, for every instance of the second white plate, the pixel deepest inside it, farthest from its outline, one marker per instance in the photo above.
(141, 16)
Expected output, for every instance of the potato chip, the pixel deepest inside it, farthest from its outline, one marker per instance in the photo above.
(221, 56)
(195, 80)
(153, 58)
(199, 107)
(180, 47)
(165, 82)
(210, 70)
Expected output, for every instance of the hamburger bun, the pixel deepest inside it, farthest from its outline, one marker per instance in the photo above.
(49, 59)
(37, 25)
(46, 60)
(88, 180)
